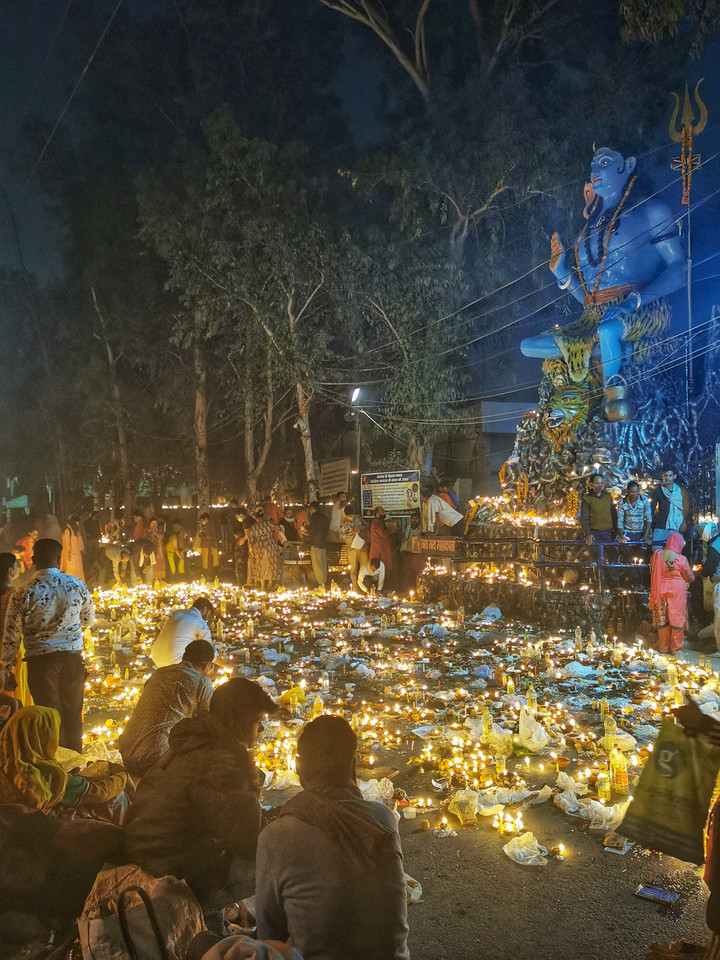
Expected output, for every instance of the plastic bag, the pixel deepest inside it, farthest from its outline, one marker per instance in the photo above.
(526, 851)
(670, 804)
(544, 795)
(533, 735)
(491, 613)
(500, 741)
(464, 804)
(284, 779)
(620, 739)
(567, 801)
(413, 889)
(568, 784)
(376, 789)
(127, 905)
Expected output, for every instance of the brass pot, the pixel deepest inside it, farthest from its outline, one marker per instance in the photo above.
(618, 409)
(617, 405)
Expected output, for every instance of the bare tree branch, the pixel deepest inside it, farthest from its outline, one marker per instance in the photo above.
(371, 15)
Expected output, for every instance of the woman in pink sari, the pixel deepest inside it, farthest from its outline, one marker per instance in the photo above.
(670, 574)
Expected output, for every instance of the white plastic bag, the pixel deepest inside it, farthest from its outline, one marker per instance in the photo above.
(500, 741)
(567, 801)
(464, 805)
(620, 739)
(533, 735)
(381, 790)
(526, 851)
(567, 783)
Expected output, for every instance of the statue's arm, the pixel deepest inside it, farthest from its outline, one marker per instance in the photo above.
(562, 269)
(665, 239)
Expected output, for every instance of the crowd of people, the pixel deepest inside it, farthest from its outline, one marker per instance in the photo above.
(326, 868)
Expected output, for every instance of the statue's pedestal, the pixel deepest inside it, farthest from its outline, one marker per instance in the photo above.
(614, 612)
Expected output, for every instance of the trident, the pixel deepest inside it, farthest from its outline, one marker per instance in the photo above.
(686, 163)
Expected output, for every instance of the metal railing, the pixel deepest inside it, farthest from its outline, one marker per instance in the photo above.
(600, 566)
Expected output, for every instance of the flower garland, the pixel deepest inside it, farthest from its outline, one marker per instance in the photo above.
(616, 214)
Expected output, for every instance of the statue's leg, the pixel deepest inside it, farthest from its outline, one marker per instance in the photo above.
(542, 346)
(610, 334)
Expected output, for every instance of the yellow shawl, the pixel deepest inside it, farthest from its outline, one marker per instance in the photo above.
(28, 743)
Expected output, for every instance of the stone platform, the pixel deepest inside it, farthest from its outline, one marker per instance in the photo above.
(614, 612)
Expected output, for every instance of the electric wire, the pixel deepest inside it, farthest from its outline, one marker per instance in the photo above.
(70, 98)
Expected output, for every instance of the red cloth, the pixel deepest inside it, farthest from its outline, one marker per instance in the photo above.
(669, 577)
(380, 542)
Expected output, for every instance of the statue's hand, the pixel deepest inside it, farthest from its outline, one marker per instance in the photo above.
(556, 252)
(629, 305)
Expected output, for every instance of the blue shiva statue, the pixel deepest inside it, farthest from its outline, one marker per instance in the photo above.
(626, 260)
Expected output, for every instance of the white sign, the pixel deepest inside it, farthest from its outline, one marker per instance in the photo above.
(334, 478)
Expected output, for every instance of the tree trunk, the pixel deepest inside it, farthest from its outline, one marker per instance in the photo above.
(250, 473)
(201, 447)
(420, 455)
(128, 493)
(303, 423)
(255, 467)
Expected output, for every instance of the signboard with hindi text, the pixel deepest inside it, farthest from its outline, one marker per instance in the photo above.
(398, 493)
(334, 478)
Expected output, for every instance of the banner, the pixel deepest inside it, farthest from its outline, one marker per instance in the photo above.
(398, 493)
(334, 478)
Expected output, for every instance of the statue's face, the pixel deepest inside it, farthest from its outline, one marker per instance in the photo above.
(609, 172)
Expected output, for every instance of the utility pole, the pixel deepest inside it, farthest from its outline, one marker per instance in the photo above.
(686, 163)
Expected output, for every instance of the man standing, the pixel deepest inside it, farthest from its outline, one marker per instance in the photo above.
(170, 694)
(336, 515)
(354, 535)
(671, 508)
(598, 517)
(49, 613)
(317, 534)
(634, 514)
(330, 866)
(180, 629)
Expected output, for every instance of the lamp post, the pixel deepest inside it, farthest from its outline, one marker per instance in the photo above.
(354, 400)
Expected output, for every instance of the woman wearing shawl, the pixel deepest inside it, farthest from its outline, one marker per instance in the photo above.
(265, 542)
(9, 569)
(73, 546)
(30, 774)
(670, 574)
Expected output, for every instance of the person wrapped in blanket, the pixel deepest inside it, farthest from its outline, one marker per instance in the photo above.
(698, 724)
(30, 773)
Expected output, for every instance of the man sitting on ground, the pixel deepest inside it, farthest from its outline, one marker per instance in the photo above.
(171, 694)
(196, 814)
(330, 867)
(180, 629)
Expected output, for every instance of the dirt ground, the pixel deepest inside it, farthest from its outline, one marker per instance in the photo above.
(479, 904)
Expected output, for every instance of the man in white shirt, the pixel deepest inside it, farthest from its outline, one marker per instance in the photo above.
(374, 570)
(336, 515)
(439, 511)
(180, 629)
(49, 613)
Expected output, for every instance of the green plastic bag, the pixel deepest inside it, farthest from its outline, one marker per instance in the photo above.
(670, 803)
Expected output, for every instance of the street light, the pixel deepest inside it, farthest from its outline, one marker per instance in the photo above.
(353, 400)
